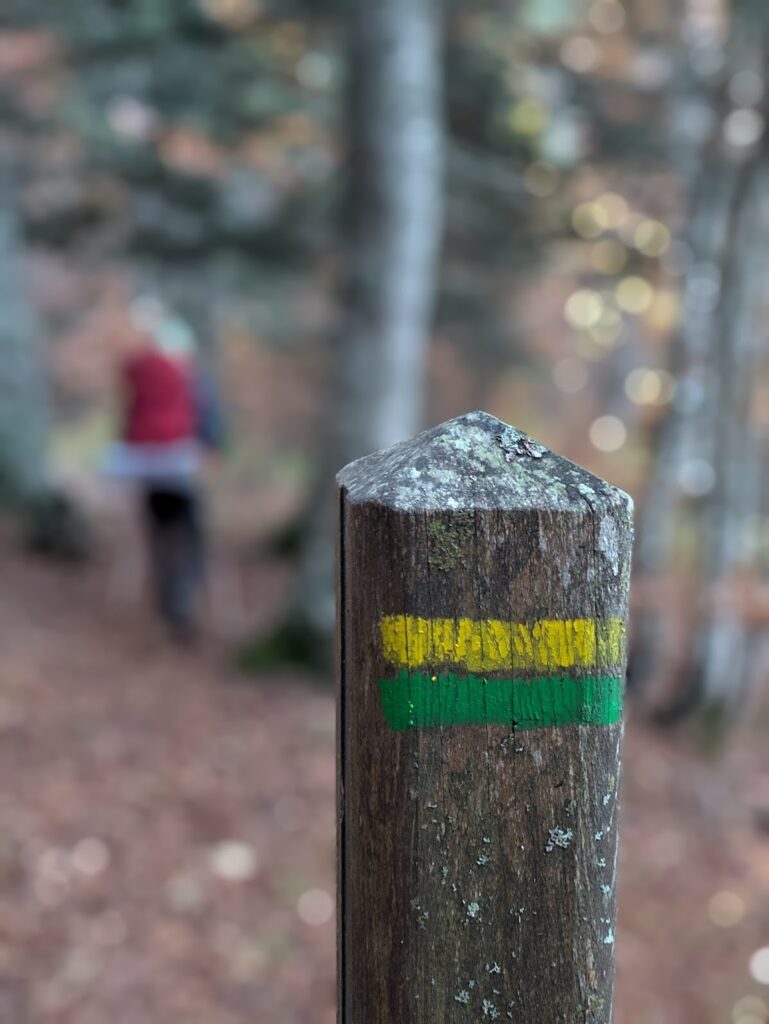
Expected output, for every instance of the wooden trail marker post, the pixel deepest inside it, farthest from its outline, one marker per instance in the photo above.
(483, 587)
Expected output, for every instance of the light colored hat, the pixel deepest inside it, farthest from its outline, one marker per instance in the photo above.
(170, 334)
(175, 339)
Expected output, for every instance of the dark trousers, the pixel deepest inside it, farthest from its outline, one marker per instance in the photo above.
(173, 518)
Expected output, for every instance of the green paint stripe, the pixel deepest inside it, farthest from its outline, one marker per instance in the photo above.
(419, 701)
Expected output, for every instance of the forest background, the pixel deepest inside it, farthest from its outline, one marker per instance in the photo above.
(373, 218)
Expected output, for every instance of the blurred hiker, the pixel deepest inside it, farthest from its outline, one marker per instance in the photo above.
(168, 416)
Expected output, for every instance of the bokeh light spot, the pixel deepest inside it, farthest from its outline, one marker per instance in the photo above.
(233, 860)
(580, 54)
(131, 118)
(583, 308)
(608, 433)
(607, 16)
(315, 907)
(234, 13)
(645, 386)
(726, 909)
(750, 1007)
(743, 127)
(529, 117)
(589, 220)
(615, 208)
(634, 295)
(759, 966)
(697, 477)
(90, 856)
(652, 238)
(664, 313)
(315, 70)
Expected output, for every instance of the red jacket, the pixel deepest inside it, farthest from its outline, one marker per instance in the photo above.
(160, 404)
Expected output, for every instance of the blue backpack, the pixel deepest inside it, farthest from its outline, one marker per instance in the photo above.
(211, 430)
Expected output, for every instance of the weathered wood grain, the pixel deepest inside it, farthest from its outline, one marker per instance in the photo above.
(476, 861)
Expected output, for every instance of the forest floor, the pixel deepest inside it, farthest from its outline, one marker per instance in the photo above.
(167, 829)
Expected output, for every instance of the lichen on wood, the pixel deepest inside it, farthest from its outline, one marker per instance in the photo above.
(478, 571)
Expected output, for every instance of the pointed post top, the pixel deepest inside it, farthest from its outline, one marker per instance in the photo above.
(476, 462)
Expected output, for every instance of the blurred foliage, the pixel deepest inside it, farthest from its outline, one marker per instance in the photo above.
(235, 169)
(206, 139)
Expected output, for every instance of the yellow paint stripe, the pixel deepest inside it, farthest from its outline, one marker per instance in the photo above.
(492, 645)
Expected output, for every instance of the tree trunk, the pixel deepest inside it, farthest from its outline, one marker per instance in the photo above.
(24, 391)
(685, 449)
(732, 525)
(392, 234)
(708, 454)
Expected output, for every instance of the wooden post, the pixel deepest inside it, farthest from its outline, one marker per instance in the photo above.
(483, 587)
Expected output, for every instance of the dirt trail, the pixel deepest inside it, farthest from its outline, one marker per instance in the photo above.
(135, 778)
(167, 833)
